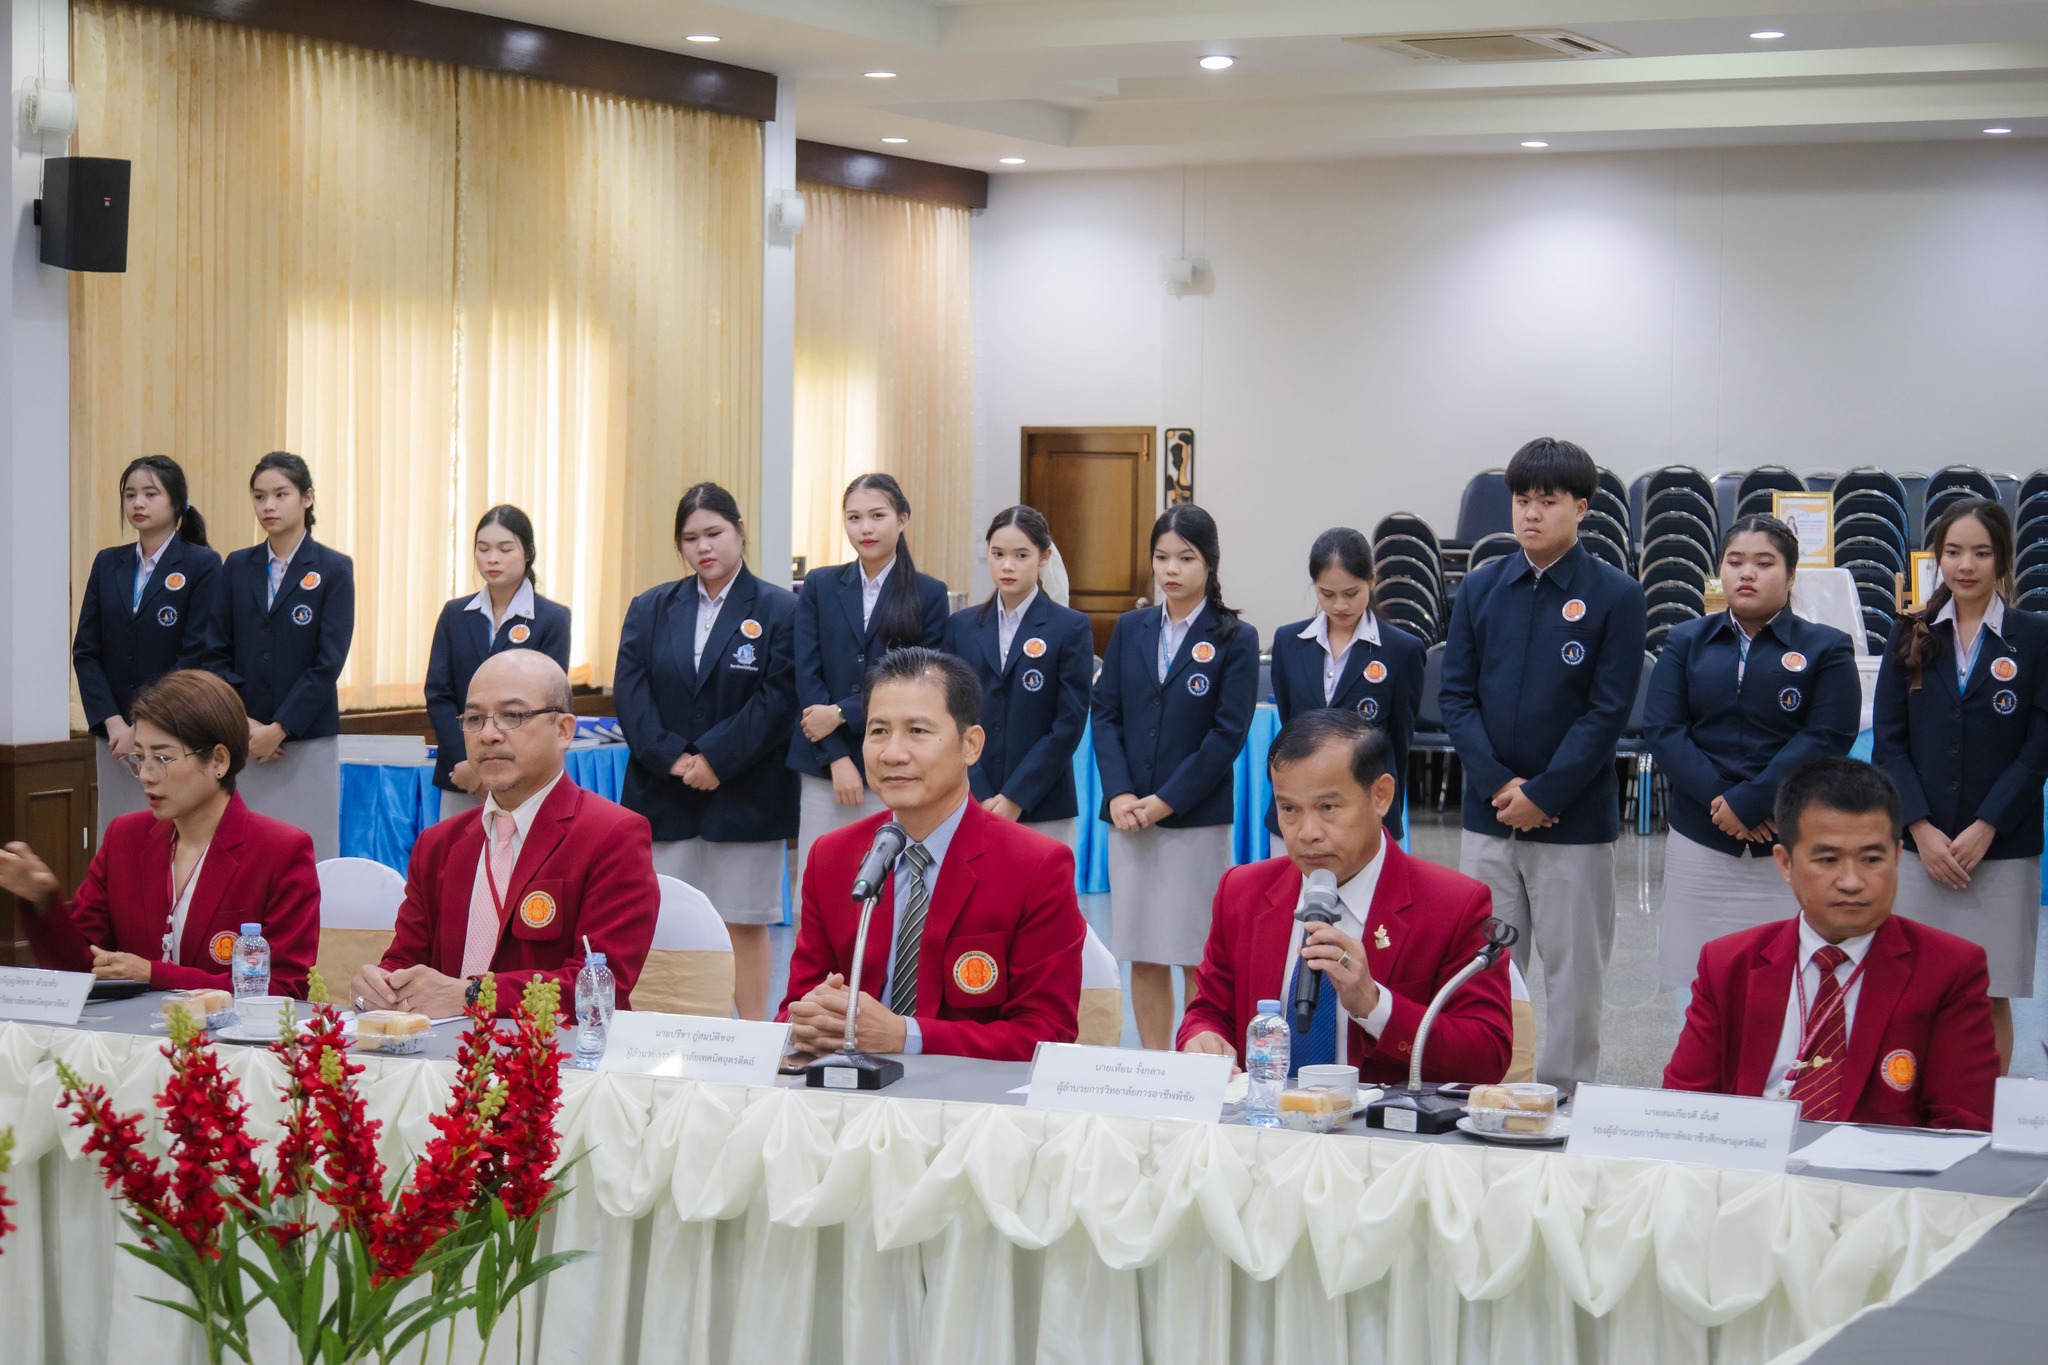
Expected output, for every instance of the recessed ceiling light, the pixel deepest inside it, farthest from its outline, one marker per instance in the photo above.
(1011, 160)
(895, 139)
(1765, 35)
(879, 75)
(1998, 132)
(1533, 143)
(701, 38)
(1218, 62)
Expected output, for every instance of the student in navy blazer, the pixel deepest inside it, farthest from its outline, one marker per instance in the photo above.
(1346, 657)
(1172, 705)
(141, 616)
(847, 617)
(1036, 661)
(1738, 702)
(1961, 726)
(507, 614)
(706, 691)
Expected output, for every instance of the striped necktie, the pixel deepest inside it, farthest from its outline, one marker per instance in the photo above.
(1818, 1087)
(903, 977)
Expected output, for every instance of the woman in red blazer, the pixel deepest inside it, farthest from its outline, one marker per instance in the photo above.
(170, 887)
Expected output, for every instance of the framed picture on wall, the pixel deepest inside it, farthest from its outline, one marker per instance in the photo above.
(1812, 518)
(1180, 465)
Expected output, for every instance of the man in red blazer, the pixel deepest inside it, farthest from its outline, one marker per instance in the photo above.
(1406, 926)
(559, 865)
(1859, 1015)
(974, 949)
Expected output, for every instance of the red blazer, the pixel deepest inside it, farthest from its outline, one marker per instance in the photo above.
(1435, 921)
(1926, 994)
(257, 870)
(1004, 890)
(585, 870)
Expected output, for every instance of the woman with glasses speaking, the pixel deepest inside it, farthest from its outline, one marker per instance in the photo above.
(170, 887)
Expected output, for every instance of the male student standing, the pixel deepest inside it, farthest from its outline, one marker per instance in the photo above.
(1540, 674)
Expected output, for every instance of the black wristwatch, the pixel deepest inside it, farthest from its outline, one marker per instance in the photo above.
(476, 988)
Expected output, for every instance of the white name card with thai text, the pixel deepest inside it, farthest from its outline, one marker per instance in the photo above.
(2019, 1115)
(1129, 1082)
(1738, 1131)
(694, 1047)
(30, 995)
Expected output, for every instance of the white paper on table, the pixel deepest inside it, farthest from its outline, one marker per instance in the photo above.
(2019, 1114)
(1847, 1147)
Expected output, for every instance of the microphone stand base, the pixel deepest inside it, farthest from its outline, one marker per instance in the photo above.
(1402, 1111)
(853, 1071)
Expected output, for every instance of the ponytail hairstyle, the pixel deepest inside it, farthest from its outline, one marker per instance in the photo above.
(1341, 547)
(506, 516)
(900, 621)
(293, 468)
(1917, 644)
(1032, 523)
(191, 526)
(709, 497)
(1198, 529)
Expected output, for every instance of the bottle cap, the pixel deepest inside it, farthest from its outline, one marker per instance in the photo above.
(594, 960)
(1269, 1007)
(251, 930)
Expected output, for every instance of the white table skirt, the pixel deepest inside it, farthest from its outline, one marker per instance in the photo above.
(767, 1225)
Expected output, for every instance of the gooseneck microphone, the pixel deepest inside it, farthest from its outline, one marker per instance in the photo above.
(1500, 936)
(850, 1068)
(890, 841)
(1318, 906)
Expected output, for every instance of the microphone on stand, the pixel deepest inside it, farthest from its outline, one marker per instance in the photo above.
(890, 841)
(1416, 1110)
(850, 1068)
(1318, 906)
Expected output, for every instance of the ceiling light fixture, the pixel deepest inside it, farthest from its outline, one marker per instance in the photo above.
(1998, 132)
(879, 75)
(1218, 62)
(1765, 35)
(1011, 160)
(1533, 143)
(895, 139)
(700, 38)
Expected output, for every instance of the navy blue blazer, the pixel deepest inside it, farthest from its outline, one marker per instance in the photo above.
(462, 641)
(1176, 740)
(284, 658)
(1975, 753)
(121, 648)
(737, 711)
(1382, 682)
(1798, 699)
(1540, 676)
(1032, 707)
(833, 654)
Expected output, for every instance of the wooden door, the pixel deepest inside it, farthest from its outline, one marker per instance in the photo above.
(1099, 492)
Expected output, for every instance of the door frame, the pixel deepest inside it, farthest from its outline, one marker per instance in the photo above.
(1149, 457)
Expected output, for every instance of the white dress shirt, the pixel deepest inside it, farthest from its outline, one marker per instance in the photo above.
(521, 605)
(522, 822)
(1368, 629)
(936, 843)
(1778, 1084)
(708, 608)
(279, 567)
(1171, 635)
(1993, 624)
(1350, 920)
(1007, 623)
(871, 591)
(145, 569)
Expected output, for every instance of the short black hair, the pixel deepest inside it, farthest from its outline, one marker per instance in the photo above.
(1548, 465)
(913, 663)
(1302, 737)
(1837, 784)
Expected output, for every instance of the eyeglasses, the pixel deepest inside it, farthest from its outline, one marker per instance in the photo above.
(506, 721)
(161, 763)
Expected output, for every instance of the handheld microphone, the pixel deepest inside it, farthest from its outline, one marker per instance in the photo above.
(890, 841)
(1318, 906)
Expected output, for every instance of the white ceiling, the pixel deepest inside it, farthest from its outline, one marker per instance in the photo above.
(1071, 84)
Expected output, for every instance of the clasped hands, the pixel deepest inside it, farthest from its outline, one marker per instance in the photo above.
(695, 770)
(1729, 823)
(1515, 810)
(414, 990)
(1951, 861)
(817, 1023)
(1131, 813)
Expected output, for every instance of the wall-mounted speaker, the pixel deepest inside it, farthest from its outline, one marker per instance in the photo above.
(84, 213)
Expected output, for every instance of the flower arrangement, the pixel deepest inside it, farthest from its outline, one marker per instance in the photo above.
(325, 1238)
(6, 1163)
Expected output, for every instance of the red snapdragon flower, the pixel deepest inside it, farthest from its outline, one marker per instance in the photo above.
(6, 1161)
(524, 1143)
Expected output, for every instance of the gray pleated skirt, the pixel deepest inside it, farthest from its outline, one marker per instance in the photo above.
(1708, 893)
(2000, 912)
(743, 881)
(1065, 831)
(301, 787)
(818, 813)
(1162, 883)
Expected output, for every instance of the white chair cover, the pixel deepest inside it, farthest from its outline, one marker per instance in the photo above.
(687, 922)
(1098, 965)
(356, 893)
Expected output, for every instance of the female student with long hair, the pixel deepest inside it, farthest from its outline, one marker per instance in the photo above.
(1035, 657)
(1960, 725)
(847, 617)
(506, 614)
(1346, 657)
(1738, 702)
(706, 691)
(1171, 709)
(141, 616)
(279, 633)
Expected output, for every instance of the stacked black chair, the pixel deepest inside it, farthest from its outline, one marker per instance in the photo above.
(1728, 492)
(1641, 795)
(2030, 531)
(1947, 487)
(1409, 575)
(1492, 547)
(1753, 494)
(1485, 507)
(1867, 478)
(1431, 745)
(1610, 500)
(1822, 480)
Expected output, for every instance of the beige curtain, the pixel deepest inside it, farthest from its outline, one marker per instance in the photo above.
(884, 370)
(444, 289)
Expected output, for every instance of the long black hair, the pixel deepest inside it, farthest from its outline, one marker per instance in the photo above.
(900, 619)
(293, 468)
(1198, 529)
(191, 526)
(1917, 644)
(1032, 523)
(513, 520)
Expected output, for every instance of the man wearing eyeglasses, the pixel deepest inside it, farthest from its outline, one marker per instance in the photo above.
(518, 890)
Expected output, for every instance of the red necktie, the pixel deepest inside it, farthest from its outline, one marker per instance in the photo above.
(1819, 1085)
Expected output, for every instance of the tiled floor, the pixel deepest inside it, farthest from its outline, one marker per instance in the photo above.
(1641, 1019)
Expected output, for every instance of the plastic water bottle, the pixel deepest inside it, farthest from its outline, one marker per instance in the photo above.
(251, 962)
(1266, 1045)
(594, 996)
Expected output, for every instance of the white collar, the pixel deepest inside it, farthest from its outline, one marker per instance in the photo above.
(1810, 942)
(875, 583)
(1319, 631)
(723, 593)
(1994, 615)
(1011, 618)
(522, 818)
(148, 562)
(1187, 622)
(521, 604)
(286, 560)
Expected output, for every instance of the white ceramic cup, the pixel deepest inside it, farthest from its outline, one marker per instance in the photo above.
(1342, 1079)
(259, 1013)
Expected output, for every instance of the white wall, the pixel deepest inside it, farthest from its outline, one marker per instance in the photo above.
(1379, 330)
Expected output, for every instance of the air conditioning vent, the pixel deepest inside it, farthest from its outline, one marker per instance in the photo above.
(1549, 45)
